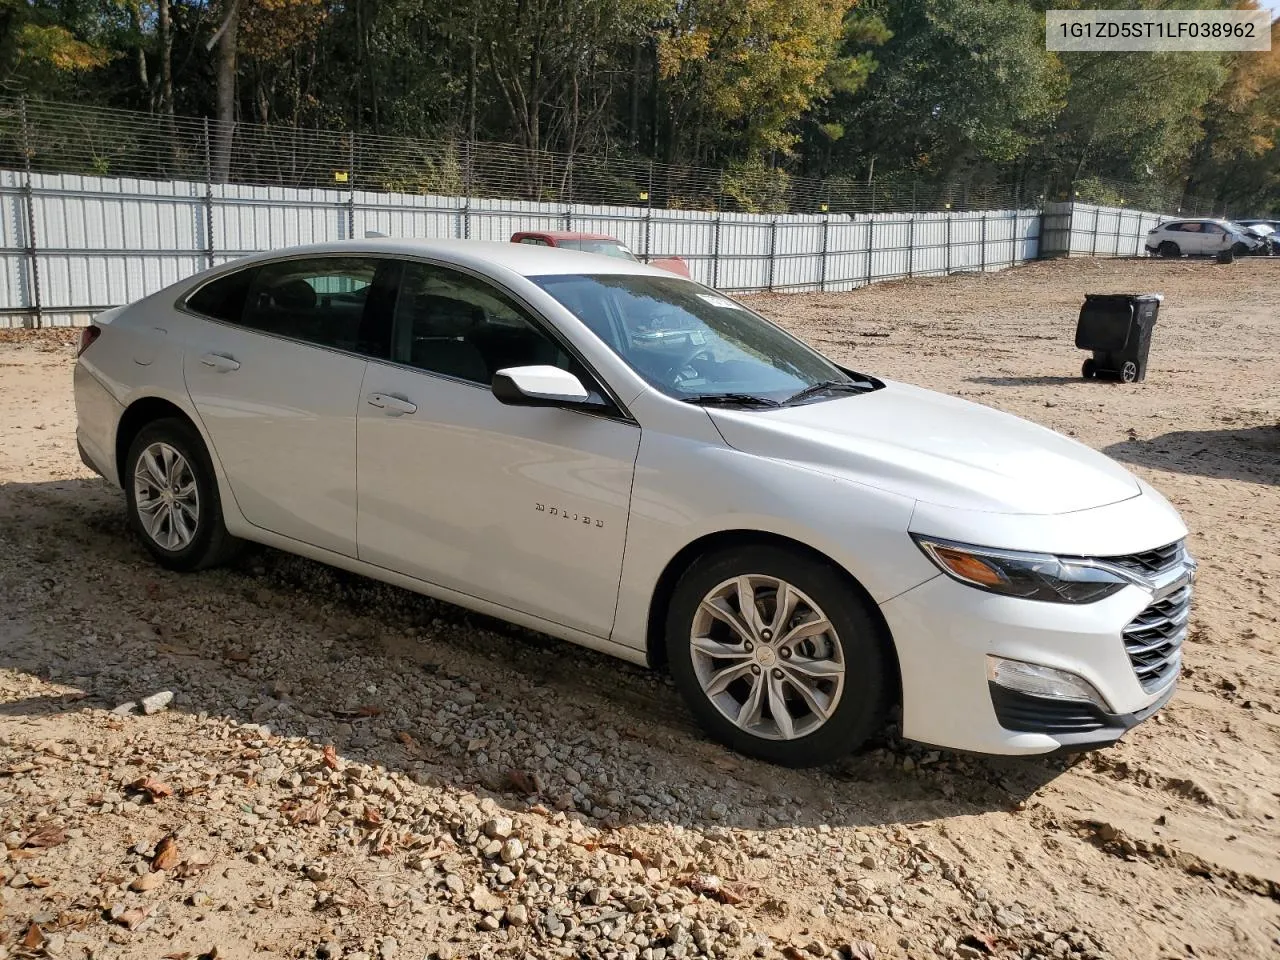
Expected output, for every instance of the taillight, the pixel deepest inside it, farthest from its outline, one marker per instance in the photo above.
(87, 336)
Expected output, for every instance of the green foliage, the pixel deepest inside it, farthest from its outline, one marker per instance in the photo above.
(957, 91)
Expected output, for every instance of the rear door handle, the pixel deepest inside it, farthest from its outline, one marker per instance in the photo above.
(219, 362)
(395, 406)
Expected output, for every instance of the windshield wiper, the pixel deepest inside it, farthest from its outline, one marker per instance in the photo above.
(731, 399)
(825, 386)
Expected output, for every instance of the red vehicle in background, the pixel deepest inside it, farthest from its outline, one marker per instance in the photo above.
(595, 243)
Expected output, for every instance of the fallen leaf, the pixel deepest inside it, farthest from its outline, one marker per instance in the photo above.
(153, 788)
(131, 918)
(410, 743)
(38, 882)
(190, 868)
(33, 939)
(23, 854)
(166, 856)
(330, 757)
(49, 836)
(147, 881)
(372, 817)
(312, 813)
(384, 841)
(368, 711)
(17, 768)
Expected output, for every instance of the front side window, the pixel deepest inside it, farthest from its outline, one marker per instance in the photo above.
(451, 323)
(320, 300)
(695, 344)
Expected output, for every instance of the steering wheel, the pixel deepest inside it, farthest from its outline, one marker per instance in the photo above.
(699, 352)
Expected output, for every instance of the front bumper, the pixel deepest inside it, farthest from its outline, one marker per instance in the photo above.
(945, 632)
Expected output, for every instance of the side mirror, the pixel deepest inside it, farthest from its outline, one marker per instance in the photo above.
(539, 386)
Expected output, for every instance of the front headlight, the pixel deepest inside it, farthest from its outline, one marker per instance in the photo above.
(1031, 576)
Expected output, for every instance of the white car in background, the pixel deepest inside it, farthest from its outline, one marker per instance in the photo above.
(1200, 238)
(629, 460)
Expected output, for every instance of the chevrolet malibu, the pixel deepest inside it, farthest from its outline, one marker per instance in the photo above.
(633, 462)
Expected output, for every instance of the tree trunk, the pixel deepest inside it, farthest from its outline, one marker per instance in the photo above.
(136, 17)
(635, 95)
(166, 58)
(224, 129)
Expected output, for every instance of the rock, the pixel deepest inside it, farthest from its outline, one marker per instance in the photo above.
(331, 950)
(597, 896)
(512, 850)
(868, 862)
(505, 875)
(517, 915)
(388, 947)
(147, 881)
(490, 922)
(719, 811)
(317, 874)
(484, 900)
(157, 702)
(124, 709)
(499, 828)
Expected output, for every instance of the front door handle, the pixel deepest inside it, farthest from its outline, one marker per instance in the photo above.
(219, 362)
(394, 406)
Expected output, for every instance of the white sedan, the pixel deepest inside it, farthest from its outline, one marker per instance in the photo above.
(636, 463)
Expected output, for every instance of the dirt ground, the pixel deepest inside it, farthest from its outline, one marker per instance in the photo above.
(350, 770)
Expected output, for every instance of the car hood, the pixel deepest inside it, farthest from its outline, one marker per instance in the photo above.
(935, 448)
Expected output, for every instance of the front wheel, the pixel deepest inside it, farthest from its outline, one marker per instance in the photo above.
(1169, 249)
(1129, 372)
(1089, 369)
(777, 655)
(173, 500)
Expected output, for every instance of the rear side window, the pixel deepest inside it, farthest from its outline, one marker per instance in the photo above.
(320, 300)
(223, 298)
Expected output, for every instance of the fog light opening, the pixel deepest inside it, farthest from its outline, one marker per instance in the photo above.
(1040, 681)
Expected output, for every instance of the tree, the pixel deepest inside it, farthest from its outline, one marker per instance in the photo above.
(739, 74)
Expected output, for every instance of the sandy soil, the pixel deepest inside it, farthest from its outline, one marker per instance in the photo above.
(638, 838)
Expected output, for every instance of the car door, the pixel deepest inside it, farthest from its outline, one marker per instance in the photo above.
(521, 506)
(275, 374)
(1214, 238)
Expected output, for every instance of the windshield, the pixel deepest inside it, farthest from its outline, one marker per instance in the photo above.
(610, 248)
(693, 343)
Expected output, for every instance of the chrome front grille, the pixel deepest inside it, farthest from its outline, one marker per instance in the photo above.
(1150, 561)
(1153, 639)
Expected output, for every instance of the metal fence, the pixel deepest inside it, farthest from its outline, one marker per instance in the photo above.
(73, 245)
(47, 137)
(1082, 229)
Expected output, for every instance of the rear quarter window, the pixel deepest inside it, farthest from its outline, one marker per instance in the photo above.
(224, 297)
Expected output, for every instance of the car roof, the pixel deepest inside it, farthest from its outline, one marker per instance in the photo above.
(524, 259)
(566, 235)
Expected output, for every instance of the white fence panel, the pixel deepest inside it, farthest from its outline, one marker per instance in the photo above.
(101, 241)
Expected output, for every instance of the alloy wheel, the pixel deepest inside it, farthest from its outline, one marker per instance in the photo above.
(166, 496)
(767, 657)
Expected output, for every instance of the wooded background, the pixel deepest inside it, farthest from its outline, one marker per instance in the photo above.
(850, 92)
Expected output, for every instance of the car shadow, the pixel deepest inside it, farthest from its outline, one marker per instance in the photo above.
(395, 679)
(1251, 454)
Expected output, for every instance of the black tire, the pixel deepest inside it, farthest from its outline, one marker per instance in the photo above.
(1168, 248)
(1089, 369)
(863, 640)
(209, 544)
(1129, 372)
(1240, 249)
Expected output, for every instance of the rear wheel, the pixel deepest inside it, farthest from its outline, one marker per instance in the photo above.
(1089, 369)
(1240, 249)
(173, 499)
(1168, 248)
(1129, 372)
(777, 656)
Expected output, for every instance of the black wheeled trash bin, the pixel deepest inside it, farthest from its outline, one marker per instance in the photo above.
(1117, 328)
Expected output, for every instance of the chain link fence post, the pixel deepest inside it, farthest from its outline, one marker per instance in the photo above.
(982, 244)
(208, 196)
(28, 198)
(351, 188)
(947, 271)
(773, 251)
(648, 213)
(871, 244)
(822, 264)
